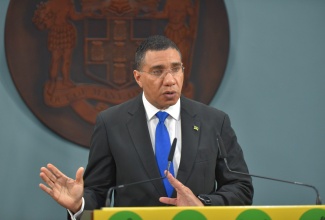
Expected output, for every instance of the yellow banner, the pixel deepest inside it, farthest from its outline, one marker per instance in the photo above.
(213, 213)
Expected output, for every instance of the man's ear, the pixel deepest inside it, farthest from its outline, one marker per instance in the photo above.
(137, 77)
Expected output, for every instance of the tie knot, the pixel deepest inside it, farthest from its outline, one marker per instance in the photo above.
(162, 116)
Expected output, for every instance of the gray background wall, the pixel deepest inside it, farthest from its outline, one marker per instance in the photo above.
(273, 91)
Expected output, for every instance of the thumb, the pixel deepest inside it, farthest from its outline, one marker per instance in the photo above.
(79, 175)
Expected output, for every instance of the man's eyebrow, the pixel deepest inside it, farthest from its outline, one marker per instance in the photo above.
(163, 66)
(158, 67)
(176, 64)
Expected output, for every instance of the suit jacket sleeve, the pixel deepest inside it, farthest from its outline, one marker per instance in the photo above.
(100, 172)
(232, 189)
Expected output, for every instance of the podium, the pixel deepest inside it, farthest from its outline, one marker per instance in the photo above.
(310, 212)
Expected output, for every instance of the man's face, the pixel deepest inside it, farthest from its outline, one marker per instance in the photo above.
(161, 91)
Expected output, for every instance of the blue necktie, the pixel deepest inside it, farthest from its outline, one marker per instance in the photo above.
(162, 150)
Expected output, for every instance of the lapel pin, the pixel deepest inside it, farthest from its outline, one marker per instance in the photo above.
(196, 128)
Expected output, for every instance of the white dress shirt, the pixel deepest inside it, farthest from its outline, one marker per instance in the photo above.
(173, 124)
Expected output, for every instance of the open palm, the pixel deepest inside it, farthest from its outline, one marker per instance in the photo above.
(66, 191)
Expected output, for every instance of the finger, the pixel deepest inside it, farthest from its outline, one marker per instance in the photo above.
(48, 174)
(168, 201)
(79, 175)
(55, 171)
(174, 182)
(45, 189)
(46, 179)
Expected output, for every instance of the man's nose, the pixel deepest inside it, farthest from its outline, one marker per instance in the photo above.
(169, 79)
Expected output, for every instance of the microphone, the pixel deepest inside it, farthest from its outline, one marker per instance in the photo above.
(223, 155)
(170, 160)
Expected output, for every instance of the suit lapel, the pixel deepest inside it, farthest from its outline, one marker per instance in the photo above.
(138, 129)
(190, 140)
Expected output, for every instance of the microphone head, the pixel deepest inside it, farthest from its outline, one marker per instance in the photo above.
(172, 150)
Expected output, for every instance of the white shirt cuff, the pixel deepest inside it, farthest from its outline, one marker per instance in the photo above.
(76, 215)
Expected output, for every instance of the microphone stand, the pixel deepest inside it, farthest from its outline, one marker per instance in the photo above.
(170, 159)
(223, 155)
(318, 199)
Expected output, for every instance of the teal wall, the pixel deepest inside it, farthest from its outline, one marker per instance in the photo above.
(273, 91)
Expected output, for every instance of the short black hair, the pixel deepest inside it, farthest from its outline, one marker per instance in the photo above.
(156, 43)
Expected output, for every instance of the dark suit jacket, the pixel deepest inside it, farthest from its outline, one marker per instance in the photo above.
(121, 152)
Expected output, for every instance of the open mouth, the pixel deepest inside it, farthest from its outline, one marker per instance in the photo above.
(169, 93)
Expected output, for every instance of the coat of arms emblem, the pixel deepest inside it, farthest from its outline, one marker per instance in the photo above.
(83, 51)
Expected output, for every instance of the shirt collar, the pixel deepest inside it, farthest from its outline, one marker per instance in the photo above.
(151, 110)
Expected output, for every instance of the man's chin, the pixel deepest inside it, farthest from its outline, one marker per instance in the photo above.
(169, 103)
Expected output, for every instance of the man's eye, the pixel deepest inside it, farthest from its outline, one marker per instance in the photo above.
(176, 69)
(157, 72)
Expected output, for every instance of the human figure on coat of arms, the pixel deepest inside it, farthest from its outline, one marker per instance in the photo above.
(56, 16)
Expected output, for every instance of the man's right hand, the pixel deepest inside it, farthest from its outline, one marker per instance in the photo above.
(66, 191)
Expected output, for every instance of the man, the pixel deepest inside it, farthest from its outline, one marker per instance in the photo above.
(123, 146)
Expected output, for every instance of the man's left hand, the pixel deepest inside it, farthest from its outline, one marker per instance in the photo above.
(185, 196)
